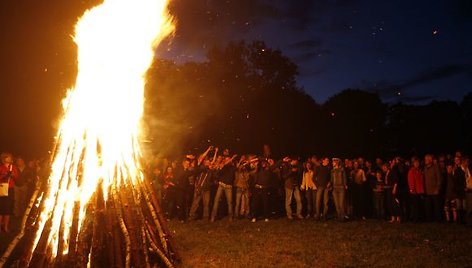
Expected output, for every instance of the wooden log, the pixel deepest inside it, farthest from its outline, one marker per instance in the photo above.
(123, 228)
(171, 250)
(24, 220)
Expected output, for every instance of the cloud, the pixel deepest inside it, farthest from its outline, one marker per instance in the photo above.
(436, 74)
(307, 44)
(390, 89)
(203, 23)
(311, 55)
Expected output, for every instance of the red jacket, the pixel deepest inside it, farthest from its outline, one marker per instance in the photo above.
(4, 170)
(415, 181)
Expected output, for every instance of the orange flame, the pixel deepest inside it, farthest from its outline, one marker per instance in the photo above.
(97, 144)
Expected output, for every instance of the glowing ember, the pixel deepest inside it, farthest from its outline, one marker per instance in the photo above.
(97, 144)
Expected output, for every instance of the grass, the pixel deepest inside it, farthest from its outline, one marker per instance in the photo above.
(307, 243)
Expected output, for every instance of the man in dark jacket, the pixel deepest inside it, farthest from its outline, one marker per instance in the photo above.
(263, 180)
(433, 180)
(225, 178)
(292, 176)
(322, 182)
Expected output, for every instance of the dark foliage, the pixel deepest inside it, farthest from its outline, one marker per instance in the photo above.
(245, 95)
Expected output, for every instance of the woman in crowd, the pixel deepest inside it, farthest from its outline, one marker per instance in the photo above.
(8, 175)
(309, 187)
(359, 195)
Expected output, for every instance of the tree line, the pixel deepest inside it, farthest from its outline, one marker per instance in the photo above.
(245, 95)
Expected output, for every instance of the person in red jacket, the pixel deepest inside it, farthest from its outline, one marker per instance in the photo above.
(417, 189)
(8, 174)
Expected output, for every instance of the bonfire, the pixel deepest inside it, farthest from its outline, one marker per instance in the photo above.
(97, 208)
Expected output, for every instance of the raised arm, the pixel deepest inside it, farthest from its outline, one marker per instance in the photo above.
(202, 156)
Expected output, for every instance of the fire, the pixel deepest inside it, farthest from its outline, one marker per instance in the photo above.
(97, 143)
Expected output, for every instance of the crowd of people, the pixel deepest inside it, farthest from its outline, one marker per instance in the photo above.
(17, 182)
(431, 188)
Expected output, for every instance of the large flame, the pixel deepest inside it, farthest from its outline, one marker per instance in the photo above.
(97, 143)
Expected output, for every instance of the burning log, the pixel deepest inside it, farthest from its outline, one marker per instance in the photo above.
(96, 177)
(123, 219)
(21, 234)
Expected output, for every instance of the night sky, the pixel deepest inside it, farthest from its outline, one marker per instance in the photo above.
(411, 51)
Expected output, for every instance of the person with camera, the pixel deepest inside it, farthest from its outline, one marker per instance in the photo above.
(8, 174)
(243, 173)
(226, 176)
(203, 181)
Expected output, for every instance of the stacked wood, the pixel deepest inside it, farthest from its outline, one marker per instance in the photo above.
(126, 229)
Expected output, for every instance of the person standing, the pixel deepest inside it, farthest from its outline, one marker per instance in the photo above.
(226, 177)
(308, 185)
(459, 183)
(359, 192)
(263, 180)
(292, 177)
(21, 189)
(339, 182)
(433, 179)
(8, 175)
(416, 186)
(468, 190)
(323, 183)
(379, 196)
(241, 182)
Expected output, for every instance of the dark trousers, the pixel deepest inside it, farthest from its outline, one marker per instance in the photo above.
(379, 205)
(175, 199)
(322, 196)
(433, 207)
(260, 199)
(416, 206)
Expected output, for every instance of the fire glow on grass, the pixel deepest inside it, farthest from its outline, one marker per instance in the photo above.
(97, 143)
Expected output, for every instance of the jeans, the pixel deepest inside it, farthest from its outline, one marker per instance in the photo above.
(295, 191)
(322, 192)
(310, 196)
(242, 202)
(228, 190)
(199, 195)
(338, 197)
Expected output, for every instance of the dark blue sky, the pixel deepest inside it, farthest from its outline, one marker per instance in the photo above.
(413, 51)
(386, 46)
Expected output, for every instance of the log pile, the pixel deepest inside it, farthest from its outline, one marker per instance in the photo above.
(127, 229)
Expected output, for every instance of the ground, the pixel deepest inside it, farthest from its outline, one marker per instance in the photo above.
(307, 243)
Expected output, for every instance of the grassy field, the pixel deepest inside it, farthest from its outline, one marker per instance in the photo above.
(307, 243)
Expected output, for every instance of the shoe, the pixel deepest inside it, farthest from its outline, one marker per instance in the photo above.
(253, 220)
(212, 219)
(308, 216)
(266, 220)
(300, 217)
(290, 217)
